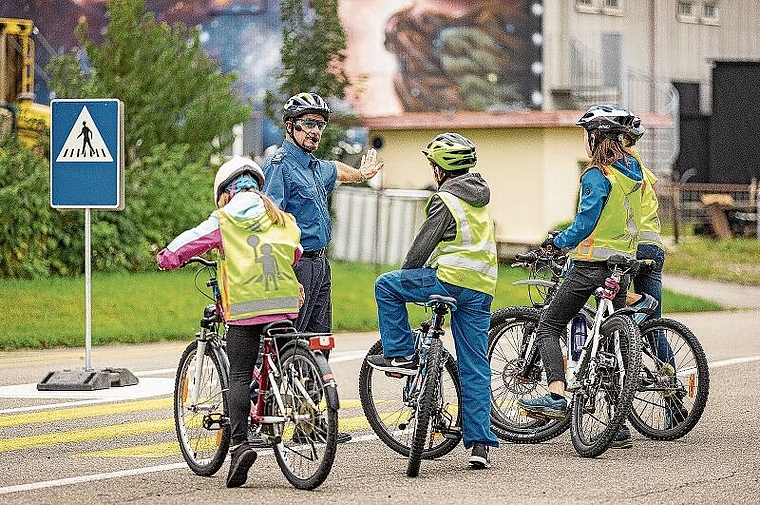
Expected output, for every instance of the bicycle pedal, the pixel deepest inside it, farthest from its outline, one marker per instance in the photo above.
(535, 415)
(395, 375)
(214, 421)
(453, 433)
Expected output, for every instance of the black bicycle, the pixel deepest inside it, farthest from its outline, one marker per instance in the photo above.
(418, 416)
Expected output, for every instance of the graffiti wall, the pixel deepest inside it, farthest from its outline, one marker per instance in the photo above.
(403, 55)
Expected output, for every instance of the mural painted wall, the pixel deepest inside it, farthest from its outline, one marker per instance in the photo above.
(403, 55)
(444, 55)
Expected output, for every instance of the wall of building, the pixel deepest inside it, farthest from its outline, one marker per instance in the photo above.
(533, 173)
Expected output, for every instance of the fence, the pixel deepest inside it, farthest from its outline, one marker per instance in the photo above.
(682, 206)
(375, 226)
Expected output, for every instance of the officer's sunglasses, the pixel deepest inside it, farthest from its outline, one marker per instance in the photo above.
(310, 124)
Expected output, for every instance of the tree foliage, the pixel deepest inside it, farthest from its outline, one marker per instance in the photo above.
(173, 92)
(176, 104)
(312, 57)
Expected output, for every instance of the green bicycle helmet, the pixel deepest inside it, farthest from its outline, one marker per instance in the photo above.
(451, 151)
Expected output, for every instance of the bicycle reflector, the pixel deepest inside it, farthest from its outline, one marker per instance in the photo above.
(321, 342)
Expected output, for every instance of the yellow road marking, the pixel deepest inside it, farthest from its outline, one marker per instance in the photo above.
(100, 410)
(88, 434)
(161, 449)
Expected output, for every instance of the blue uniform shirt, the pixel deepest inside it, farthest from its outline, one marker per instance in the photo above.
(595, 188)
(299, 184)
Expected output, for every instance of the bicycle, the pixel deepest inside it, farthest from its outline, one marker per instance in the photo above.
(602, 383)
(296, 402)
(665, 389)
(423, 421)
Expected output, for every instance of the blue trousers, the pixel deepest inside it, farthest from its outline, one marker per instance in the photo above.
(649, 281)
(469, 326)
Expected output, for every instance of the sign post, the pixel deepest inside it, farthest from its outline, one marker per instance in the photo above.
(87, 172)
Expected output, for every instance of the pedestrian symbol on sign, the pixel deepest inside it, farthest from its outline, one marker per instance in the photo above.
(84, 142)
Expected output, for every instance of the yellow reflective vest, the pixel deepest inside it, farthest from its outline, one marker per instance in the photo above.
(469, 260)
(650, 219)
(617, 231)
(256, 270)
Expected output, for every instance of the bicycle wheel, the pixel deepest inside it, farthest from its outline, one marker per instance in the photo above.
(203, 428)
(429, 390)
(387, 407)
(309, 434)
(510, 339)
(603, 401)
(675, 381)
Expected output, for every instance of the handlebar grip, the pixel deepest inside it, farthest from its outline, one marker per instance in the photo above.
(202, 261)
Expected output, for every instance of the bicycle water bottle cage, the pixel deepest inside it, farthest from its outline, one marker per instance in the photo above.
(210, 317)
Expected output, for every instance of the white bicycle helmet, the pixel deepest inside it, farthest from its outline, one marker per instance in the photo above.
(612, 121)
(231, 169)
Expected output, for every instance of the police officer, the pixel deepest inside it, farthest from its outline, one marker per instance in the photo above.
(300, 183)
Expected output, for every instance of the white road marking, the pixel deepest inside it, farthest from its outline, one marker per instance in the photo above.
(126, 473)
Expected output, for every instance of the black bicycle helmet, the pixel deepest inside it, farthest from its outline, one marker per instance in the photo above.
(305, 103)
(451, 151)
(612, 121)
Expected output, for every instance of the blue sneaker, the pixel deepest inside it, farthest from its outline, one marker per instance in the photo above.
(545, 406)
(623, 439)
(646, 302)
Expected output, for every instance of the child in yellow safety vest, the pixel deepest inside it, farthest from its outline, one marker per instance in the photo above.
(258, 244)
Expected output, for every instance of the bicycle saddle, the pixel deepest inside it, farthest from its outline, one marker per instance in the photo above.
(446, 300)
(279, 327)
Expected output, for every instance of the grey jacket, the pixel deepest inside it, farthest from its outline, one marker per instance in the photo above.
(440, 224)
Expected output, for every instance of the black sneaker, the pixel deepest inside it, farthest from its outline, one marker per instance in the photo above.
(405, 366)
(675, 412)
(243, 457)
(622, 438)
(545, 406)
(479, 457)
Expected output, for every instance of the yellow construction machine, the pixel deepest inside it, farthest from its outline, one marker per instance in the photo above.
(19, 114)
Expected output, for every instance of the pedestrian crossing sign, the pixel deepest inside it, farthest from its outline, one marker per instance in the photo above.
(87, 162)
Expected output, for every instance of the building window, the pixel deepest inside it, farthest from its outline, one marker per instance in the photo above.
(613, 7)
(710, 13)
(587, 6)
(687, 12)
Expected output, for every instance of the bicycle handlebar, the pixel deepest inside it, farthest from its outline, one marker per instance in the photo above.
(202, 261)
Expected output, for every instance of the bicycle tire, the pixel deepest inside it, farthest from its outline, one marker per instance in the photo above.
(306, 450)
(591, 433)
(203, 430)
(661, 391)
(392, 420)
(428, 391)
(509, 326)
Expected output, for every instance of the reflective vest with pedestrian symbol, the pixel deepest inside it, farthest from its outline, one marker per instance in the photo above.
(256, 269)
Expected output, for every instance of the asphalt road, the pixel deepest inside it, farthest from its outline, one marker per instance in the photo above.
(118, 445)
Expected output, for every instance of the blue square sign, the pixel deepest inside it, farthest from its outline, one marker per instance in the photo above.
(86, 154)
